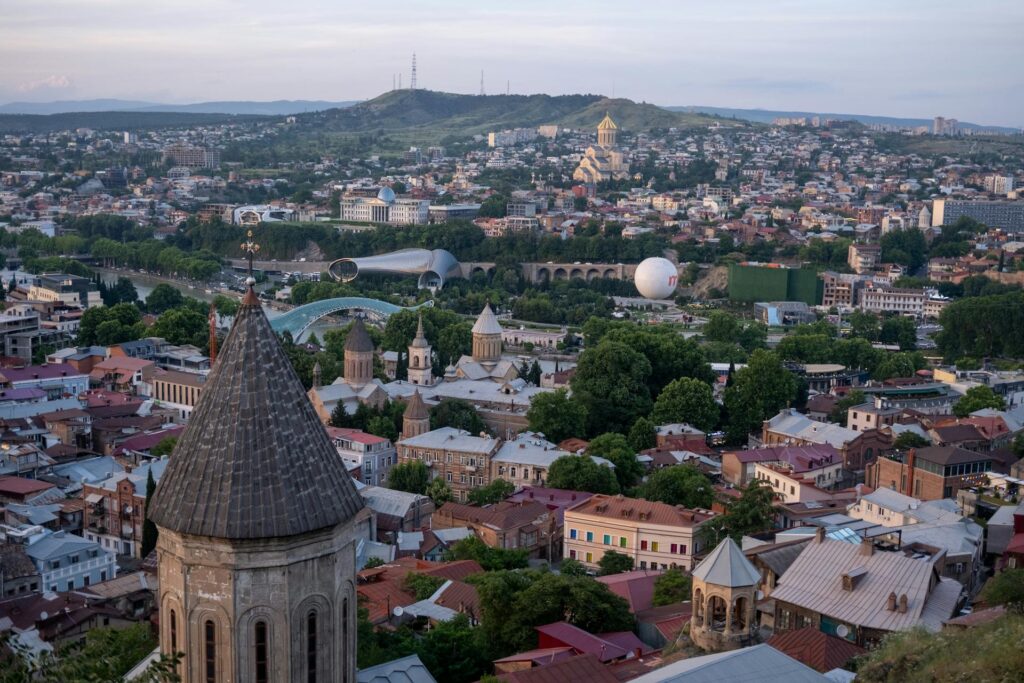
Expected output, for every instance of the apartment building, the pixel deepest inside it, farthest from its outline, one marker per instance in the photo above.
(115, 508)
(929, 473)
(872, 415)
(70, 290)
(178, 390)
(840, 290)
(459, 458)
(67, 562)
(863, 258)
(373, 455)
(1006, 215)
(655, 535)
(901, 300)
(58, 380)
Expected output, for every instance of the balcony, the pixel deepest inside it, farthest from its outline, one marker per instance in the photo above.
(103, 561)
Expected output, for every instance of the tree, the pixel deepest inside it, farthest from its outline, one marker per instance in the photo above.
(149, 530)
(902, 364)
(373, 562)
(411, 476)
(557, 416)
(687, 400)
(613, 562)
(580, 473)
(182, 325)
(978, 398)
(450, 651)
(111, 325)
(642, 435)
(1005, 588)
(439, 491)
(751, 513)
(615, 448)
(611, 384)
(225, 306)
(671, 587)
(164, 297)
(679, 485)
(491, 559)
(454, 412)
(495, 492)
(900, 330)
(422, 586)
(535, 373)
(908, 439)
(164, 447)
(571, 567)
(758, 392)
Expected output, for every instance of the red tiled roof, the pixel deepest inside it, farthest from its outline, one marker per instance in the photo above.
(20, 486)
(585, 668)
(621, 507)
(356, 435)
(817, 650)
(637, 587)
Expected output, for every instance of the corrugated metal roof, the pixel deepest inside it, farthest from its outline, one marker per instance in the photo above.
(726, 565)
(757, 664)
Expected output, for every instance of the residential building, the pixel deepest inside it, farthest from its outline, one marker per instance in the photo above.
(862, 258)
(901, 300)
(459, 458)
(525, 460)
(529, 525)
(746, 664)
(373, 455)
(840, 290)
(124, 375)
(180, 391)
(1004, 215)
(66, 562)
(872, 415)
(191, 156)
(58, 380)
(793, 486)
(19, 332)
(819, 461)
(655, 535)
(397, 511)
(929, 473)
(855, 592)
(69, 290)
(790, 428)
(116, 508)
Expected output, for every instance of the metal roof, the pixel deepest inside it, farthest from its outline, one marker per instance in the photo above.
(404, 670)
(755, 664)
(298, 319)
(726, 565)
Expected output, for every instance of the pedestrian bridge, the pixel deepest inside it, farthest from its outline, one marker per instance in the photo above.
(297, 320)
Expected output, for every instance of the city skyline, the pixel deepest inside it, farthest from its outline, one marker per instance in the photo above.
(917, 60)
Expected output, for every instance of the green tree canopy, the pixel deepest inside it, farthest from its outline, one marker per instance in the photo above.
(616, 448)
(439, 491)
(643, 435)
(978, 398)
(411, 476)
(580, 473)
(758, 392)
(679, 485)
(613, 562)
(672, 587)
(751, 513)
(495, 492)
(164, 297)
(687, 400)
(908, 440)
(611, 384)
(454, 412)
(491, 559)
(557, 416)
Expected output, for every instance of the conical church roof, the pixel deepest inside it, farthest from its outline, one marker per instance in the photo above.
(487, 323)
(416, 409)
(420, 340)
(726, 565)
(254, 461)
(607, 123)
(358, 338)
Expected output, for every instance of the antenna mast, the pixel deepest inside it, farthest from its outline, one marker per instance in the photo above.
(412, 79)
(482, 82)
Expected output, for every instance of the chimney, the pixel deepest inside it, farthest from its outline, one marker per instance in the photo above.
(891, 604)
(819, 535)
(903, 604)
(867, 548)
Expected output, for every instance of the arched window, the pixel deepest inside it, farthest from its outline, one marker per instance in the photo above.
(261, 652)
(311, 646)
(210, 636)
(174, 632)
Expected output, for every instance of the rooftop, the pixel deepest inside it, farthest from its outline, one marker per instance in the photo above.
(639, 510)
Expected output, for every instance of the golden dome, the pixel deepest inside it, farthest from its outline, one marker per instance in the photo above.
(607, 123)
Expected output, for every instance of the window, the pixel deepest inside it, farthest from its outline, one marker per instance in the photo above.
(674, 548)
(654, 546)
(682, 549)
(260, 642)
(174, 632)
(448, 476)
(572, 554)
(311, 647)
(346, 639)
(590, 536)
(607, 539)
(572, 534)
(643, 564)
(210, 654)
(590, 557)
(643, 545)
(622, 541)
(512, 472)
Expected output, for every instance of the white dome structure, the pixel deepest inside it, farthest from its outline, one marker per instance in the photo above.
(387, 195)
(656, 278)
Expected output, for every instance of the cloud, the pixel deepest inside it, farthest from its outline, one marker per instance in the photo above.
(52, 82)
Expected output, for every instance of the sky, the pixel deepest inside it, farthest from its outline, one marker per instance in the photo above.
(888, 57)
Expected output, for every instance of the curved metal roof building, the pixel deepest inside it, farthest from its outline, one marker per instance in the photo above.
(434, 268)
(298, 319)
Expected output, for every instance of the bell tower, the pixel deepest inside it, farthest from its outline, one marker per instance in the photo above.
(258, 525)
(420, 370)
(487, 338)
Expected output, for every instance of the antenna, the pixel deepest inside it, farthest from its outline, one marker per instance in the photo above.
(507, 86)
(392, 81)
(482, 82)
(399, 81)
(412, 79)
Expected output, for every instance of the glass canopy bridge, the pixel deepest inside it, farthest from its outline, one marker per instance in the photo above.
(297, 320)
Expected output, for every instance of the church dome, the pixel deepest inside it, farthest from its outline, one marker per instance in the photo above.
(607, 123)
(487, 323)
(358, 340)
(386, 194)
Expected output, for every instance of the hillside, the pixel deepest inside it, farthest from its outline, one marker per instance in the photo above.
(111, 120)
(452, 114)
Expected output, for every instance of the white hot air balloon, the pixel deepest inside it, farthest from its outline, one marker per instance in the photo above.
(656, 278)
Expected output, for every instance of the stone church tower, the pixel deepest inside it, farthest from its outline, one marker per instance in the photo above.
(416, 418)
(258, 524)
(607, 132)
(358, 356)
(487, 338)
(420, 371)
(724, 596)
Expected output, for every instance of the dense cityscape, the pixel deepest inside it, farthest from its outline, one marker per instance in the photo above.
(436, 387)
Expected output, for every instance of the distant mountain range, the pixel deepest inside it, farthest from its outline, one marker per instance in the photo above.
(440, 112)
(768, 115)
(273, 108)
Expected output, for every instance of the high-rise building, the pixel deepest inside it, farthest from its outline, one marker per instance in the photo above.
(258, 523)
(1004, 215)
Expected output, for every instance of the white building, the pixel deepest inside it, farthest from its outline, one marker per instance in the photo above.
(385, 208)
(373, 455)
(67, 562)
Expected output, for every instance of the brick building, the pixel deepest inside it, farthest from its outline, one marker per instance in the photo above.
(929, 473)
(462, 460)
(529, 525)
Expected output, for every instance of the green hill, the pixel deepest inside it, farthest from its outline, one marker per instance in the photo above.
(450, 114)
